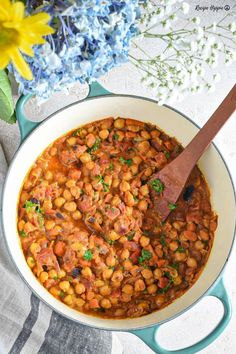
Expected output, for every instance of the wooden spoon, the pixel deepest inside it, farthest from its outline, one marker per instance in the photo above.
(170, 181)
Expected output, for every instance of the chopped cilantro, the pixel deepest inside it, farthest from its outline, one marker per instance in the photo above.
(95, 146)
(116, 136)
(88, 255)
(113, 268)
(172, 206)
(157, 185)
(111, 166)
(136, 199)
(166, 288)
(29, 205)
(104, 184)
(175, 265)
(22, 234)
(130, 235)
(77, 132)
(180, 249)
(163, 240)
(62, 294)
(55, 278)
(124, 161)
(110, 242)
(167, 155)
(145, 256)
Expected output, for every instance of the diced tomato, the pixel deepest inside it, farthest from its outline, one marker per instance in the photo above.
(94, 304)
(60, 248)
(163, 282)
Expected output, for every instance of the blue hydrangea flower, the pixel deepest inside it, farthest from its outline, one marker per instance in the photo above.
(92, 37)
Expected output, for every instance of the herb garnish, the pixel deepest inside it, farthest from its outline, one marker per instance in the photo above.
(116, 136)
(77, 132)
(130, 235)
(163, 240)
(172, 206)
(35, 207)
(88, 255)
(167, 287)
(111, 166)
(175, 265)
(167, 155)
(95, 146)
(22, 234)
(104, 184)
(157, 185)
(180, 249)
(124, 161)
(145, 256)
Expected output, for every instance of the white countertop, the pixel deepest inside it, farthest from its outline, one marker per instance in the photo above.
(197, 322)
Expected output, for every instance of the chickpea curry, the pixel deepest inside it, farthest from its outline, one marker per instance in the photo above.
(89, 230)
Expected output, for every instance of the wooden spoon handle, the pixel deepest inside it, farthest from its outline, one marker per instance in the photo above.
(201, 141)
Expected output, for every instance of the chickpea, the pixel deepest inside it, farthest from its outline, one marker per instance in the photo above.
(152, 289)
(144, 241)
(137, 160)
(30, 262)
(107, 273)
(143, 205)
(173, 246)
(119, 123)
(134, 169)
(77, 215)
(52, 274)
(64, 285)
(204, 235)
(75, 192)
(139, 285)
(145, 135)
(133, 128)
(120, 135)
(98, 283)
(48, 176)
(127, 264)
(144, 190)
(129, 199)
(54, 291)
(115, 182)
(159, 300)
(125, 254)
(90, 165)
(21, 225)
(24, 196)
(180, 256)
(192, 263)
(79, 302)
(68, 300)
(61, 274)
(105, 303)
(113, 236)
(129, 211)
(108, 179)
(125, 297)
(49, 224)
(67, 194)
(199, 245)
(85, 157)
(34, 247)
(128, 289)
(117, 276)
(86, 272)
(105, 290)
(116, 200)
(80, 288)
(90, 295)
(59, 202)
(124, 186)
(53, 151)
(104, 133)
(157, 273)
(143, 146)
(177, 280)
(127, 176)
(43, 277)
(71, 141)
(110, 261)
(148, 172)
(70, 206)
(147, 273)
(47, 205)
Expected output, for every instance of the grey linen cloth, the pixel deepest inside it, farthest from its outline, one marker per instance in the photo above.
(28, 326)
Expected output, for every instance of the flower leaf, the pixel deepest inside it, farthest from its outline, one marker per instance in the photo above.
(6, 101)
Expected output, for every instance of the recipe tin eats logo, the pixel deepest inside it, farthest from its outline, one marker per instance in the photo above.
(212, 8)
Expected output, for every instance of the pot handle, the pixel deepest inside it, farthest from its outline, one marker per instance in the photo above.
(27, 126)
(148, 335)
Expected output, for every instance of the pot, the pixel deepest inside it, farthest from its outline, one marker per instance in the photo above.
(99, 104)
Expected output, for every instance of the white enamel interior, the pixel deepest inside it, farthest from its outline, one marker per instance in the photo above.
(172, 123)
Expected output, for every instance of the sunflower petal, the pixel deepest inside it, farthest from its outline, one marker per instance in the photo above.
(18, 10)
(25, 47)
(41, 30)
(41, 17)
(20, 64)
(4, 61)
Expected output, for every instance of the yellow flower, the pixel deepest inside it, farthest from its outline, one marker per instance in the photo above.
(19, 33)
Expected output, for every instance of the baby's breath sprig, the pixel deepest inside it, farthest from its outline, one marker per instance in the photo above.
(184, 49)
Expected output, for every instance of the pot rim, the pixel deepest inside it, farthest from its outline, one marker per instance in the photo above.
(211, 286)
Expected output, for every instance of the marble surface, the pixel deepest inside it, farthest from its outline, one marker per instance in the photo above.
(197, 322)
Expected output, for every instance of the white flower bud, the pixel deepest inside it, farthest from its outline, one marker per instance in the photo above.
(185, 8)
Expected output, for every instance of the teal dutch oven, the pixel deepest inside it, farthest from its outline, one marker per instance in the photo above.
(100, 104)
